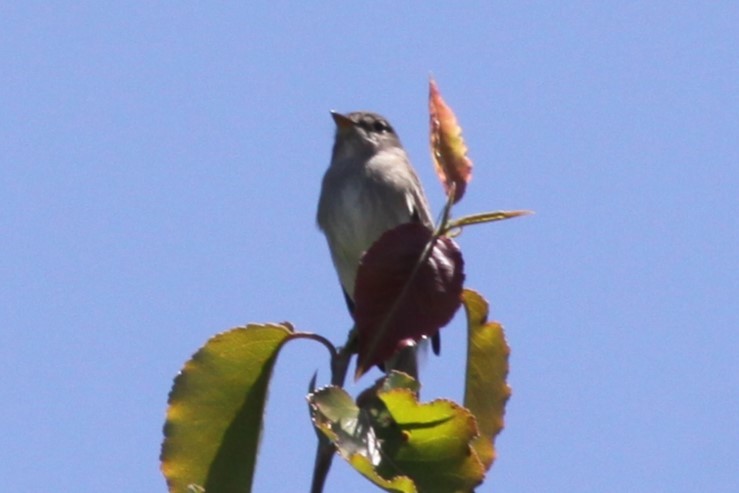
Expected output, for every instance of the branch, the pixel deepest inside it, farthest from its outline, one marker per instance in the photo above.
(325, 450)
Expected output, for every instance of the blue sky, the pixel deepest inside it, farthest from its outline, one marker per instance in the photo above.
(159, 169)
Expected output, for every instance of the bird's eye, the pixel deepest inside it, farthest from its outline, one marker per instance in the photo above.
(381, 126)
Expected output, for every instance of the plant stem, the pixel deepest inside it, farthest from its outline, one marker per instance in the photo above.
(325, 450)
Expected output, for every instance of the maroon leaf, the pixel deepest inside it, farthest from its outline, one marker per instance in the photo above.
(396, 302)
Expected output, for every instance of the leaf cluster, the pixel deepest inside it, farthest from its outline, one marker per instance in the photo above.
(409, 286)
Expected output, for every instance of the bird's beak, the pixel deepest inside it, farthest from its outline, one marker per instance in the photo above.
(343, 122)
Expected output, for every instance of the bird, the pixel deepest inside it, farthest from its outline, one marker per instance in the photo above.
(369, 188)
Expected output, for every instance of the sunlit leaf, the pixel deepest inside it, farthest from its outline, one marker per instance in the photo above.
(399, 380)
(486, 390)
(399, 301)
(448, 149)
(215, 412)
(397, 442)
(396, 484)
(486, 217)
(432, 446)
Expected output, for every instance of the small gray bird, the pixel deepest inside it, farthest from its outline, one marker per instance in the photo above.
(369, 188)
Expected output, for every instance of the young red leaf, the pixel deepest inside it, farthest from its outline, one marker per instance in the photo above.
(448, 149)
(398, 302)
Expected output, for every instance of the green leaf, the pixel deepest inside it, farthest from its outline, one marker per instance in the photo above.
(344, 423)
(485, 217)
(400, 380)
(397, 484)
(486, 390)
(216, 407)
(432, 445)
(398, 443)
(348, 427)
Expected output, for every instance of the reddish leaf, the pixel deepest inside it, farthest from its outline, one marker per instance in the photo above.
(448, 149)
(395, 306)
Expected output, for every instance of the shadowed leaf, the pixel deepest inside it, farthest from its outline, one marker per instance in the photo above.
(344, 423)
(347, 426)
(398, 300)
(215, 412)
(486, 390)
(448, 149)
(397, 442)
